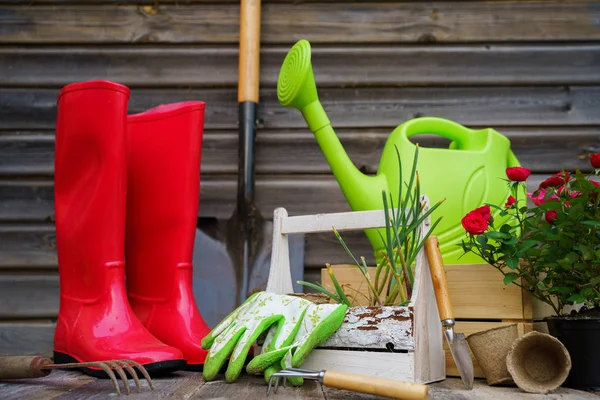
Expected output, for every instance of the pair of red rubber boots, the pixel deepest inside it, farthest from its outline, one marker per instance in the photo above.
(126, 198)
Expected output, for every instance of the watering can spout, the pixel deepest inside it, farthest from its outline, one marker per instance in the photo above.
(296, 88)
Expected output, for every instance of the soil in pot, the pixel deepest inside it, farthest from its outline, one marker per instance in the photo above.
(580, 333)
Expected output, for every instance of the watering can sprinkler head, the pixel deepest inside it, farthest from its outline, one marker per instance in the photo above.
(296, 88)
(296, 83)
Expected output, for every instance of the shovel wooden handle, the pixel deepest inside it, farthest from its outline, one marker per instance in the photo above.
(23, 367)
(375, 386)
(249, 58)
(438, 276)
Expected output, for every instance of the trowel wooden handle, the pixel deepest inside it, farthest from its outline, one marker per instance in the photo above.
(438, 276)
(375, 386)
(23, 367)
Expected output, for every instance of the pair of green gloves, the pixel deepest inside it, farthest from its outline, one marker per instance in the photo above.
(295, 327)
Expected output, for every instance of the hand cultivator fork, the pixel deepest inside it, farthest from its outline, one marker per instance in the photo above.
(23, 367)
(356, 383)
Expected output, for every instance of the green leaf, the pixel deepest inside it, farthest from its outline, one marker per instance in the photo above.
(505, 228)
(338, 288)
(527, 244)
(576, 298)
(572, 257)
(339, 238)
(510, 277)
(591, 223)
(512, 262)
(321, 289)
(481, 239)
(497, 235)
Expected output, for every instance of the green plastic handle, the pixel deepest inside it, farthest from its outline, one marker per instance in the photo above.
(459, 135)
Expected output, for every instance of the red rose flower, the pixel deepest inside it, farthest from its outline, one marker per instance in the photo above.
(595, 160)
(518, 174)
(595, 183)
(558, 179)
(537, 197)
(511, 200)
(476, 222)
(484, 211)
(550, 215)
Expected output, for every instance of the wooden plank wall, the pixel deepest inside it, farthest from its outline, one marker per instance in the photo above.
(530, 69)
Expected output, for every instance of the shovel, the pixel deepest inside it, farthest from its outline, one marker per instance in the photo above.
(235, 255)
(244, 228)
(456, 341)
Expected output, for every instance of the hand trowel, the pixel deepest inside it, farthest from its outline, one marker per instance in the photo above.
(456, 341)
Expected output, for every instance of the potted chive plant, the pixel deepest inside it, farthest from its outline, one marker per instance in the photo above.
(396, 332)
(550, 246)
(393, 279)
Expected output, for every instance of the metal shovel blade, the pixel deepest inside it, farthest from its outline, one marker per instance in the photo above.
(462, 358)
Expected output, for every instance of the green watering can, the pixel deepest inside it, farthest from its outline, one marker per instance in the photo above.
(468, 174)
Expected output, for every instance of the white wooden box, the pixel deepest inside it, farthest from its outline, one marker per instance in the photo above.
(363, 343)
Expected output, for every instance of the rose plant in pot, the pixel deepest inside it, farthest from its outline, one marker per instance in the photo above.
(550, 246)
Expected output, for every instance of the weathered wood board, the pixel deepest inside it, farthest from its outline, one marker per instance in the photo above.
(386, 107)
(32, 200)
(27, 338)
(337, 21)
(383, 65)
(375, 328)
(296, 151)
(190, 386)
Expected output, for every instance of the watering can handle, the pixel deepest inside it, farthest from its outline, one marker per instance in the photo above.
(457, 133)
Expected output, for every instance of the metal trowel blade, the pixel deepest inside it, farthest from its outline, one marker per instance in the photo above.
(462, 358)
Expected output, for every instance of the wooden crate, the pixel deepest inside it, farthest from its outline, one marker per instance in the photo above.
(479, 297)
(361, 344)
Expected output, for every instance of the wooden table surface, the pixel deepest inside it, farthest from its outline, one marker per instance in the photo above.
(65, 385)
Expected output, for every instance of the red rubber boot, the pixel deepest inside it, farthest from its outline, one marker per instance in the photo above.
(95, 320)
(164, 151)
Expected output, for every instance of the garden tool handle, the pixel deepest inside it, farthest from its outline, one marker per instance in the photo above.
(249, 58)
(458, 134)
(23, 367)
(375, 386)
(438, 276)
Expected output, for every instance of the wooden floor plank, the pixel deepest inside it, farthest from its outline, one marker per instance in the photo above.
(178, 385)
(63, 385)
(49, 387)
(254, 387)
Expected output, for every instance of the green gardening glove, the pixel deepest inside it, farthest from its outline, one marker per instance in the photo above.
(240, 329)
(319, 323)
